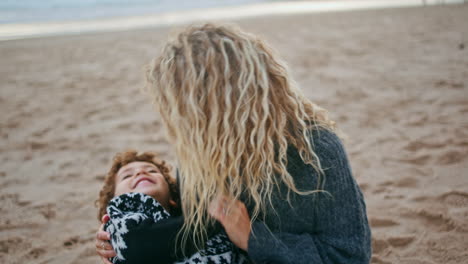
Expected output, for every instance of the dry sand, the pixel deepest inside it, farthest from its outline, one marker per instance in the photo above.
(396, 81)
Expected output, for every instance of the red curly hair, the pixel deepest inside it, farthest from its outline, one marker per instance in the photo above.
(123, 158)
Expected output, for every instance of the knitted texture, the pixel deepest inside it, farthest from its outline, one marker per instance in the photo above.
(134, 222)
(324, 227)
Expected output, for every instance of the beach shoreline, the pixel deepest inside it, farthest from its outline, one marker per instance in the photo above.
(13, 31)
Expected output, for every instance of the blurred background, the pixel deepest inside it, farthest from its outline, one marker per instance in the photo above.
(393, 74)
(13, 11)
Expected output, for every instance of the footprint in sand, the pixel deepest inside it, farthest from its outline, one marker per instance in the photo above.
(385, 183)
(47, 210)
(400, 241)
(106, 117)
(380, 189)
(441, 221)
(364, 186)
(379, 245)
(449, 84)
(12, 124)
(417, 119)
(124, 126)
(407, 182)
(378, 260)
(71, 126)
(463, 143)
(149, 126)
(382, 222)
(71, 241)
(451, 157)
(112, 97)
(394, 196)
(35, 253)
(414, 261)
(75, 240)
(88, 251)
(27, 156)
(418, 160)
(41, 132)
(37, 145)
(62, 178)
(88, 115)
(343, 118)
(419, 144)
(12, 201)
(455, 199)
(352, 94)
(99, 177)
(422, 198)
(158, 141)
(8, 245)
(66, 165)
(69, 99)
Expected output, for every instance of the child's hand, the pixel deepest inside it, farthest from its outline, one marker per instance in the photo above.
(235, 219)
(103, 247)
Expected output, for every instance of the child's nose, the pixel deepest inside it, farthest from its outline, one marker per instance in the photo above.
(139, 172)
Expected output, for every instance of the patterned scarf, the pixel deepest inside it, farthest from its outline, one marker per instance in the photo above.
(128, 210)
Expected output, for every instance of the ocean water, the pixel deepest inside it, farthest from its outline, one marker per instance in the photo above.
(27, 18)
(29, 11)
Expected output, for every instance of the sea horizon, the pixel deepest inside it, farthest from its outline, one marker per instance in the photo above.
(33, 11)
(163, 14)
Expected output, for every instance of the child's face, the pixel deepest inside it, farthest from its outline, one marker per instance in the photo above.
(143, 177)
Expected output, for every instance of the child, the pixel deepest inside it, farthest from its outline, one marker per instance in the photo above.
(141, 199)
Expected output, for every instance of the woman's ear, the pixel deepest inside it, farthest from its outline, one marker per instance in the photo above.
(173, 204)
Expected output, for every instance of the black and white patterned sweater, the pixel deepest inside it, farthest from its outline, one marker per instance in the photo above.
(142, 231)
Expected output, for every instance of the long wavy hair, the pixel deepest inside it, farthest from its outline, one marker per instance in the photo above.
(231, 110)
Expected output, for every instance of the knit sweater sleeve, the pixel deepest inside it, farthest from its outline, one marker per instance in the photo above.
(149, 242)
(335, 223)
(142, 231)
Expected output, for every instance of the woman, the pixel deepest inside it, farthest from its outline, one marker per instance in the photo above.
(254, 153)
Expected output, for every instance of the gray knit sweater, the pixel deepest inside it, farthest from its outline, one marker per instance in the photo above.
(316, 228)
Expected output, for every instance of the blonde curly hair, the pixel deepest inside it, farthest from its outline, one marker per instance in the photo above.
(231, 110)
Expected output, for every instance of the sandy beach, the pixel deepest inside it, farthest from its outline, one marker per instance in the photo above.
(395, 80)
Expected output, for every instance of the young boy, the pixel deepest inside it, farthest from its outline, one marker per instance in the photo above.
(141, 199)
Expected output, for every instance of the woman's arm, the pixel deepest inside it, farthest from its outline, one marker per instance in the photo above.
(141, 230)
(334, 227)
(149, 242)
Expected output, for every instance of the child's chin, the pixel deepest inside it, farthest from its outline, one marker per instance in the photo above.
(146, 190)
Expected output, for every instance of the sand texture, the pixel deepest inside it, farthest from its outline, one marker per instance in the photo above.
(395, 80)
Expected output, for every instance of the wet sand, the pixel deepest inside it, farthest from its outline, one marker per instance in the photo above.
(395, 80)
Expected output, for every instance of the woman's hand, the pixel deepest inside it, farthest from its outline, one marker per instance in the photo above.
(103, 247)
(235, 219)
